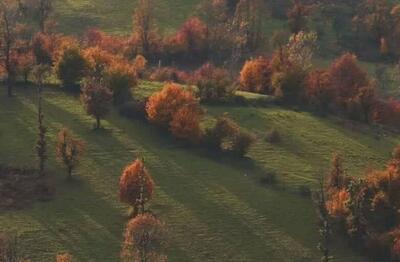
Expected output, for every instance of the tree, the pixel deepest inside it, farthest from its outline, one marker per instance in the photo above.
(120, 77)
(69, 150)
(242, 142)
(213, 83)
(40, 73)
(97, 100)
(136, 186)
(41, 11)
(297, 17)
(192, 37)
(162, 106)
(300, 50)
(289, 85)
(66, 257)
(71, 67)
(255, 76)
(144, 240)
(367, 101)
(347, 77)
(144, 29)
(324, 223)
(319, 91)
(185, 123)
(336, 178)
(10, 28)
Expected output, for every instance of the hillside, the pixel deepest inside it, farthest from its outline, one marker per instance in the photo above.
(215, 209)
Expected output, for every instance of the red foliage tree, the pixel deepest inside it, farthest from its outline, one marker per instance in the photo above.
(319, 91)
(347, 77)
(136, 186)
(192, 37)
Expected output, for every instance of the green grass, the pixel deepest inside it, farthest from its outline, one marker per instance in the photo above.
(75, 16)
(214, 207)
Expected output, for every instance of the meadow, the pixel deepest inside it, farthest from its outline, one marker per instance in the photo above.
(215, 207)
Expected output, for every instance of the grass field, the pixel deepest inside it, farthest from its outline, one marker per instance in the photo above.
(215, 208)
(74, 16)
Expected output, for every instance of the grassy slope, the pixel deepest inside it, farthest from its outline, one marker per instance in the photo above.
(213, 210)
(74, 16)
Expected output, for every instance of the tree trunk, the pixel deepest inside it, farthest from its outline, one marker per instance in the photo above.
(98, 123)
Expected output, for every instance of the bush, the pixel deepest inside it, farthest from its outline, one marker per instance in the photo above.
(121, 77)
(133, 109)
(273, 136)
(163, 105)
(256, 76)
(288, 85)
(66, 257)
(170, 74)
(269, 179)
(227, 136)
(214, 83)
(185, 124)
(241, 143)
(71, 68)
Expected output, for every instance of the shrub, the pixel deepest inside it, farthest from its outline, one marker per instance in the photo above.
(214, 84)
(121, 77)
(289, 85)
(256, 76)
(185, 123)
(136, 186)
(144, 239)
(269, 179)
(66, 257)
(241, 143)
(223, 129)
(170, 74)
(71, 67)
(96, 99)
(273, 136)
(69, 150)
(133, 109)
(163, 105)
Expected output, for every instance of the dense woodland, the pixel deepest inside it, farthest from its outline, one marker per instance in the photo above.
(219, 52)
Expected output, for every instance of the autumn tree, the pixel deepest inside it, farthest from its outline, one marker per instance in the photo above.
(162, 106)
(255, 76)
(213, 83)
(98, 61)
(192, 38)
(43, 47)
(65, 257)
(185, 123)
(297, 17)
(136, 186)
(144, 240)
(71, 67)
(144, 29)
(97, 100)
(40, 73)
(319, 91)
(69, 150)
(347, 77)
(336, 178)
(10, 29)
(120, 77)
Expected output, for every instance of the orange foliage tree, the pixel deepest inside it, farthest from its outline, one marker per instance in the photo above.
(185, 123)
(163, 105)
(65, 257)
(144, 240)
(255, 76)
(136, 186)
